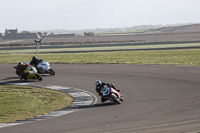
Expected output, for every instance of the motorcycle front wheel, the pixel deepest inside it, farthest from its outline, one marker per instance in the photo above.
(115, 99)
(51, 71)
(39, 77)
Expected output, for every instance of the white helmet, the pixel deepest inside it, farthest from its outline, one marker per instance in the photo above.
(20, 63)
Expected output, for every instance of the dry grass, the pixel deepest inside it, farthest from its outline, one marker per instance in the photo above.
(21, 102)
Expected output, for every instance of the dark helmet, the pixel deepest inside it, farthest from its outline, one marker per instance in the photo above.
(34, 58)
(20, 64)
(98, 83)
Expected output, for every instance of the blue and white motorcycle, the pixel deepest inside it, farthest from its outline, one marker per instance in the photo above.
(43, 67)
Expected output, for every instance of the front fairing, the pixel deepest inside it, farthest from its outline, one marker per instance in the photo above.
(43, 67)
(109, 91)
(32, 72)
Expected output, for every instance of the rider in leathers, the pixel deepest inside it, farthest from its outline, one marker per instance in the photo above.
(34, 62)
(99, 85)
(20, 70)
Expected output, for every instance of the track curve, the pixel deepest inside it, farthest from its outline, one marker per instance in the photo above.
(81, 100)
(157, 98)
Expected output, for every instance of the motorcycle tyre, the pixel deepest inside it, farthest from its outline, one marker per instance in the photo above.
(121, 99)
(51, 71)
(39, 77)
(116, 100)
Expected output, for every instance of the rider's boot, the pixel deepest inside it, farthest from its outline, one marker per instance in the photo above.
(103, 99)
(20, 77)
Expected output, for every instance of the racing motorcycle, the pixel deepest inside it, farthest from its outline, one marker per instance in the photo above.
(32, 73)
(43, 67)
(113, 95)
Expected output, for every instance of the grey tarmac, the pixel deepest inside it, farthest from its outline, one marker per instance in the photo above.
(157, 98)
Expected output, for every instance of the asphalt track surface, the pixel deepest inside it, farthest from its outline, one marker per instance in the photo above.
(157, 98)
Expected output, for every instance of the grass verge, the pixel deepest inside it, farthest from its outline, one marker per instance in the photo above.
(170, 57)
(21, 102)
(46, 49)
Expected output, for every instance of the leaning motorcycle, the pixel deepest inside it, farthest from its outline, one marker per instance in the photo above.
(113, 95)
(43, 67)
(32, 73)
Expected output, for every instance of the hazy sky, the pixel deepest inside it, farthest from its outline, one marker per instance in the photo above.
(86, 14)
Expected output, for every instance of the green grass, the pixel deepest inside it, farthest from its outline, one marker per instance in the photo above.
(170, 57)
(110, 47)
(11, 41)
(21, 102)
(108, 33)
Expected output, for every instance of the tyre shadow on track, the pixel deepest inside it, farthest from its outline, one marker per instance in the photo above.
(45, 75)
(10, 78)
(15, 80)
(103, 104)
(71, 107)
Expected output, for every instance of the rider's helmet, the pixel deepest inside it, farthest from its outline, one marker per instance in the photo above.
(20, 64)
(98, 83)
(34, 58)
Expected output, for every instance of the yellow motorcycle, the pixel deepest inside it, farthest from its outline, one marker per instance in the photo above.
(32, 73)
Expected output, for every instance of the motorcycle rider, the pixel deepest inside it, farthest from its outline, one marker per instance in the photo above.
(100, 85)
(35, 61)
(20, 70)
